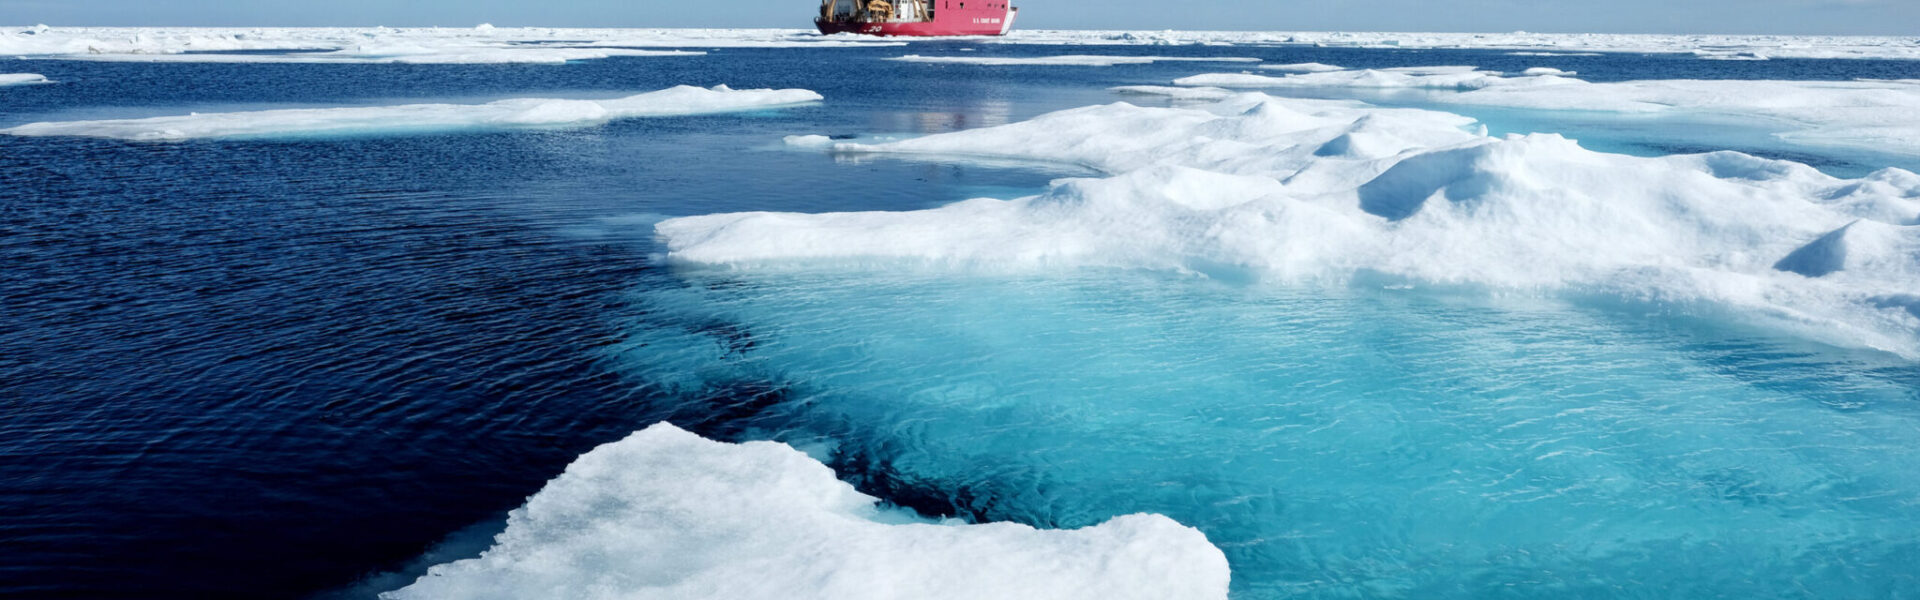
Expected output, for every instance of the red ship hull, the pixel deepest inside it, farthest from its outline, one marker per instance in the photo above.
(988, 17)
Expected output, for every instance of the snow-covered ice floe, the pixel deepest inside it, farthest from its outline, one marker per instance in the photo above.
(667, 514)
(1177, 93)
(1069, 60)
(7, 79)
(425, 118)
(479, 45)
(1880, 115)
(1303, 68)
(1290, 190)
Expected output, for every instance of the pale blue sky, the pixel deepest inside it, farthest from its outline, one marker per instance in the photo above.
(1879, 17)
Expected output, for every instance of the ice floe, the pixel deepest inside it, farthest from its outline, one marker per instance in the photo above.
(1303, 68)
(7, 79)
(1069, 60)
(1177, 93)
(667, 514)
(1439, 78)
(1879, 115)
(424, 118)
(1302, 190)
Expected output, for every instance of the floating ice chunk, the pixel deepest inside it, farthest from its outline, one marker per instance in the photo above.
(421, 118)
(1303, 68)
(1289, 190)
(666, 514)
(1177, 93)
(7, 79)
(1442, 78)
(1070, 60)
(1537, 71)
(808, 141)
(484, 28)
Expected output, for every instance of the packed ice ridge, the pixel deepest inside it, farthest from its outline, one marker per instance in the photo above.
(1079, 60)
(513, 44)
(425, 118)
(1289, 190)
(7, 79)
(667, 514)
(1880, 115)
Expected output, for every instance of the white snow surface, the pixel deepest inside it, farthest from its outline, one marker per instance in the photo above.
(1288, 190)
(419, 118)
(1881, 115)
(1079, 60)
(665, 514)
(7, 79)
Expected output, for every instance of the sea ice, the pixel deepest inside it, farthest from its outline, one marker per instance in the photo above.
(420, 118)
(1541, 44)
(1438, 78)
(1881, 115)
(1070, 60)
(1303, 68)
(1177, 93)
(1288, 190)
(408, 55)
(7, 79)
(379, 44)
(667, 514)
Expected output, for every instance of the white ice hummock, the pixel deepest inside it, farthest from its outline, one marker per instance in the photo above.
(421, 118)
(1289, 190)
(666, 514)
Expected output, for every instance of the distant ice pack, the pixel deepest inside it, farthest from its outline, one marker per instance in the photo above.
(424, 118)
(666, 514)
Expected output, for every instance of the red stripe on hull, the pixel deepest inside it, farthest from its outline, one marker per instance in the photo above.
(945, 22)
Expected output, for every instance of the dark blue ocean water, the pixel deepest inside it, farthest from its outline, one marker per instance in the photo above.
(276, 368)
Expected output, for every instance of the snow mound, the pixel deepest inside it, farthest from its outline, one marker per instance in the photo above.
(1862, 248)
(1286, 190)
(7, 79)
(666, 514)
(424, 118)
(1069, 60)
